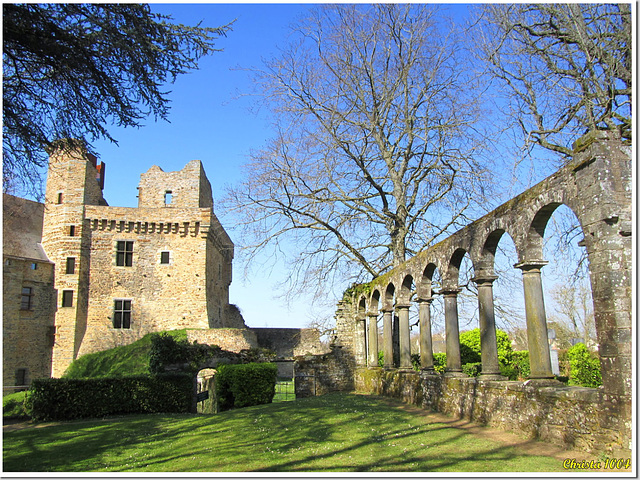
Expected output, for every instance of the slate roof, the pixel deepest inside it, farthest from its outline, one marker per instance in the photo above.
(22, 228)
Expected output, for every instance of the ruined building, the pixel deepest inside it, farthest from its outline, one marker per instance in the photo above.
(81, 276)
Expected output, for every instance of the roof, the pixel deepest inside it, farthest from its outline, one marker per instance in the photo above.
(22, 228)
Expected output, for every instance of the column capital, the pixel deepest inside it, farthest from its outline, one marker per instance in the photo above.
(424, 299)
(450, 292)
(484, 279)
(531, 266)
(401, 306)
(372, 314)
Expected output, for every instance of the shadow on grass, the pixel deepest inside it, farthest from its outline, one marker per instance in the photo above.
(340, 432)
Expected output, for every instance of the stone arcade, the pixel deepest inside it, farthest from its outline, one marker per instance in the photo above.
(597, 187)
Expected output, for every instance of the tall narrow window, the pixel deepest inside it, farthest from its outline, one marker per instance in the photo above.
(71, 265)
(124, 254)
(168, 197)
(72, 230)
(21, 376)
(59, 198)
(67, 298)
(164, 258)
(26, 300)
(122, 314)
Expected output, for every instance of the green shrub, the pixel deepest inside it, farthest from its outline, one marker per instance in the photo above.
(470, 351)
(472, 369)
(381, 358)
(519, 366)
(439, 362)
(66, 399)
(13, 405)
(243, 385)
(585, 367)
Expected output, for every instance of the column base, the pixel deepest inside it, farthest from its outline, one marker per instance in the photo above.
(459, 374)
(428, 371)
(406, 369)
(492, 377)
(544, 382)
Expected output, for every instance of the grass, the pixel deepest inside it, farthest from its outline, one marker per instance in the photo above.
(132, 359)
(13, 405)
(332, 433)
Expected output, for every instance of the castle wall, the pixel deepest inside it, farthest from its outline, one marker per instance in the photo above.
(27, 339)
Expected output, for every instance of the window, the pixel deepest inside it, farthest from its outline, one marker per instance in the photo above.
(51, 336)
(59, 198)
(34, 266)
(71, 266)
(124, 254)
(168, 197)
(72, 230)
(67, 298)
(122, 314)
(26, 300)
(164, 258)
(21, 376)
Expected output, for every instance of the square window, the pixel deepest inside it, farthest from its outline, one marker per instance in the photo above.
(26, 300)
(34, 266)
(122, 314)
(124, 254)
(67, 298)
(71, 266)
(164, 258)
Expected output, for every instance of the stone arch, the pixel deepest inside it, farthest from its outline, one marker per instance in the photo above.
(453, 268)
(374, 304)
(389, 295)
(406, 289)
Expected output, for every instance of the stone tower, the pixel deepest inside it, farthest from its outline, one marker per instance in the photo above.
(74, 180)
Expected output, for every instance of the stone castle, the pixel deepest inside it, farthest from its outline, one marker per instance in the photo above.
(81, 276)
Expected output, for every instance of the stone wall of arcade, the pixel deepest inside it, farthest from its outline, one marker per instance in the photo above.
(597, 186)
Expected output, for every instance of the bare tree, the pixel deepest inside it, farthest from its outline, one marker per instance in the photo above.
(374, 154)
(567, 67)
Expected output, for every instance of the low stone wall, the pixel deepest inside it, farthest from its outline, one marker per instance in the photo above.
(572, 417)
(321, 374)
(229, 339)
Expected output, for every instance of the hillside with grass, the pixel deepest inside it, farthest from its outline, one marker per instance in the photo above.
(132, 359)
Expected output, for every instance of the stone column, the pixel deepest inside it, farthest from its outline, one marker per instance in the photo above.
(454, 364)
(537, 335)
(387, 334)
(488, 340)
(405, 334)
(426, 341)
(373, 339)
(396, 341)
(360, 341)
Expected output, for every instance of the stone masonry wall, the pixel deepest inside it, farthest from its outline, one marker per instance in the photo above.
(27, 335)
(567, 416)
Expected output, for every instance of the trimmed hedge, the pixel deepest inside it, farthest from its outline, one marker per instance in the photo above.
(67, 399)
(243, 385)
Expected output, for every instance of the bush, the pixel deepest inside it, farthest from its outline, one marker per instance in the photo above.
(439, 362)
(243, 385)
(585, 367)
(470, 346)
(519, 368)
(472, 369)
(67, 399)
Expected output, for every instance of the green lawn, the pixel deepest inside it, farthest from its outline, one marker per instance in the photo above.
(339, 432)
